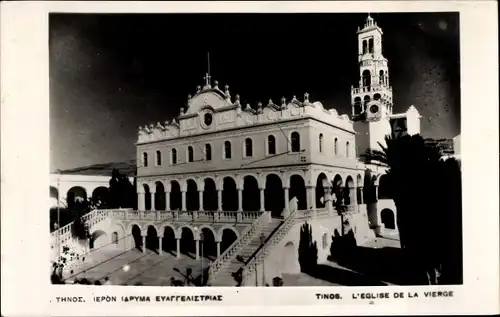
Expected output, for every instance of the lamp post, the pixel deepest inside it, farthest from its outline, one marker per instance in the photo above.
(262, 241)
(201, 242)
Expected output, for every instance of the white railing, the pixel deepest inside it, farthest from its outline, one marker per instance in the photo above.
(274, 239)
(227, 256)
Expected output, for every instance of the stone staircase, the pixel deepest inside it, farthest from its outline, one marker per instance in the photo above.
(224, 276)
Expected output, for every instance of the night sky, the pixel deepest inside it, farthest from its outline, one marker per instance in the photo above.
(110, 74)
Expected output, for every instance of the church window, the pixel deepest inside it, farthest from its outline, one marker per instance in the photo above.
(335, 146)
(321, 142)
(357, 106)
(295, 140)
(227, 150)
(367, 78)
(174, 156)
(158, 158)
(271, 145)
(364, 47)
(208, 152)
(381, 77)
(248, 147)
(190, 154)
(145, 159)
(347, 149)
(376, 97)
(367, 99)
(114, 238)
(370, 45)
(207, 118)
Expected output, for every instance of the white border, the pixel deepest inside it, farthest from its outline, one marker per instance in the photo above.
(25, 169)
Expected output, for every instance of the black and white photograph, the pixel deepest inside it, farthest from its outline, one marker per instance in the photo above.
(214, 158)
(255, 149)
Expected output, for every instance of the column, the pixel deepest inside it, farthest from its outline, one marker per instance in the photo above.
(240, 199)
(183, 201)
(311, 197)
(141, 202)
(287, 202)
(143, 244)
(361, 202)
(219, 199)
(153, 201)
(218, 248)
(160, 246)
(197, 242)
(353, 195)
(178, 255)
(376, 193)
(262, 200)
(200, 198)
(167, 201)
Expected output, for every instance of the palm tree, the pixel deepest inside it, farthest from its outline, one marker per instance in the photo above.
(415, 178)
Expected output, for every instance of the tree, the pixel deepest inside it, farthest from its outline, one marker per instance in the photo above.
(308, 250)
(122, 193)
(419, 183)
(79, 229)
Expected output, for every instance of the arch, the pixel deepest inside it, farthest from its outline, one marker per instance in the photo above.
(54, 193)
(175, 195)
(274, 197)
(227, 150)
(74, 194)
(388, 219)
(190, 154)
(136, 236)
(347, 149)
(208, 152)
(370, 45)
(335, 146)
(159, 196)
(145, 159)
(322, 187)
(320, 142)
(369, 190)
(384, 191)
(248, 148)
(173, 156)
(295, 141)
(187, 243)
(114, 237)
(359, 189)
(229, 194)
(367, 78)
(337, 187)
(228, 237)
(289, 261)
(366, 100)
(208, 246)
(152, 242)
(158, 158)
(251, 193)
(271, 144)
(147, 196)
(169, 242)
(357, 106)
(98, 239)
(365, 47)
(298, 190)
(210, 195)
(381, 78)
(376, 96)
(192, 196)
(348, 192)
(100, 196)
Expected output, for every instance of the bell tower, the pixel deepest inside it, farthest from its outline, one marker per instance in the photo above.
(371, 100)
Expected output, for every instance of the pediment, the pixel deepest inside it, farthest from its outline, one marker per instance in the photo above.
(212, 98)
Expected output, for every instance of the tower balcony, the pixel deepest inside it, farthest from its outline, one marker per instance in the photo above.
(367, 89)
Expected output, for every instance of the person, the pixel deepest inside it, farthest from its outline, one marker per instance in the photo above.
(189, 276)
(97, 282)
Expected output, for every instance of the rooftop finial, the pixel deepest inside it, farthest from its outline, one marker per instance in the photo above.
(207, 80)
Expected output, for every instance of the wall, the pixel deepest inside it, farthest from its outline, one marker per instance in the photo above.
(279, 261)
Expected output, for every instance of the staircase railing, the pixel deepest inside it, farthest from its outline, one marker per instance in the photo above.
(272, 241)
(227, 256)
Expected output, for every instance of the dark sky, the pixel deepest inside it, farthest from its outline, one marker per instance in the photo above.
(111, 73)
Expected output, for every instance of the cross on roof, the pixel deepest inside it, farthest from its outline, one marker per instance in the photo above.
(207, 79)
